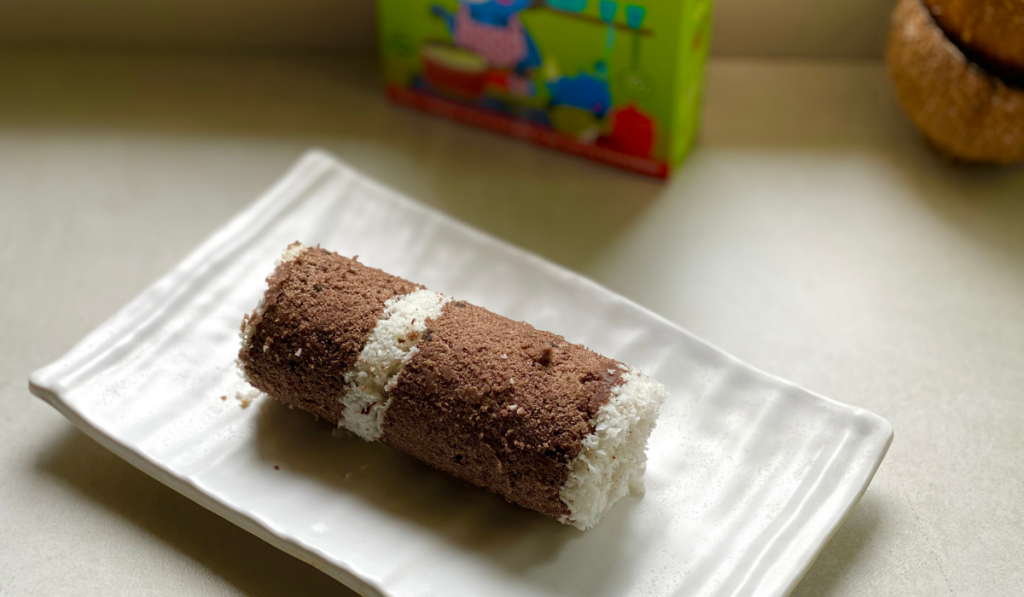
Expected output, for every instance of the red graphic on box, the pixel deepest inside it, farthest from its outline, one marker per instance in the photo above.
(507, 125)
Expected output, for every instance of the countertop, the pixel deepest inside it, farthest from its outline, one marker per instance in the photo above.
(812, 233)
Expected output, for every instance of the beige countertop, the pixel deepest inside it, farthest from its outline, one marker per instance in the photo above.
(812, 234)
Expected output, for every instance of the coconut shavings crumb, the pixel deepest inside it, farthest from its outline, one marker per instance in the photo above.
(246, 397)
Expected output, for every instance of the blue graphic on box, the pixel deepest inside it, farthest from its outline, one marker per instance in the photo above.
(583, 90)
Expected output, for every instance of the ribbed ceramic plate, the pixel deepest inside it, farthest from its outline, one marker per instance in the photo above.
(748, 478)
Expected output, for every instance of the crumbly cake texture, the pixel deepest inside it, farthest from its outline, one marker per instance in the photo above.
(613, 457)
(545, 423)
(317, 312)
(388, 348)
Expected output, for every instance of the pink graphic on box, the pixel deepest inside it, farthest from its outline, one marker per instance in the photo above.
(493, 30)
(503, 47)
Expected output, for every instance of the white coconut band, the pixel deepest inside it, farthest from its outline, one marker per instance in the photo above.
(613, 459)
(390, 346)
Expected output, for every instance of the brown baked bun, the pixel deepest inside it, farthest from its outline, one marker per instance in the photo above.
(989, 31)
(966, 112)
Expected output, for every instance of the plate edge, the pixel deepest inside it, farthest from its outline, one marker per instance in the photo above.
(845, 514)
(286, 543)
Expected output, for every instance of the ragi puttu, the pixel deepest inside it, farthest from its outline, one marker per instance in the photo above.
(545, 423)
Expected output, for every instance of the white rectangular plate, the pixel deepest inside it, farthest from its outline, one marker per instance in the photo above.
(748, 478)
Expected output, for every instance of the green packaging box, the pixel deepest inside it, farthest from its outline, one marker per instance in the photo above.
(617, 82)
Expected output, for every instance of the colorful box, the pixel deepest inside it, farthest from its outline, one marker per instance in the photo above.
(615, 81)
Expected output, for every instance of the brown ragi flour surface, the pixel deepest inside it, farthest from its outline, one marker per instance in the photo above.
(318, 312)
(499, 404)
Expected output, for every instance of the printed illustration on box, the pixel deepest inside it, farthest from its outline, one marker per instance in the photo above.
(571, 74)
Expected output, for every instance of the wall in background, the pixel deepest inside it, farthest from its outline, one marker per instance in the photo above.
(779, 28)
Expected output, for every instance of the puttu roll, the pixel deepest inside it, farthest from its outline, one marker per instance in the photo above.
(547, 424)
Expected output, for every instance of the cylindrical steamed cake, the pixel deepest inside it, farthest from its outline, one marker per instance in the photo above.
(547, 424)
